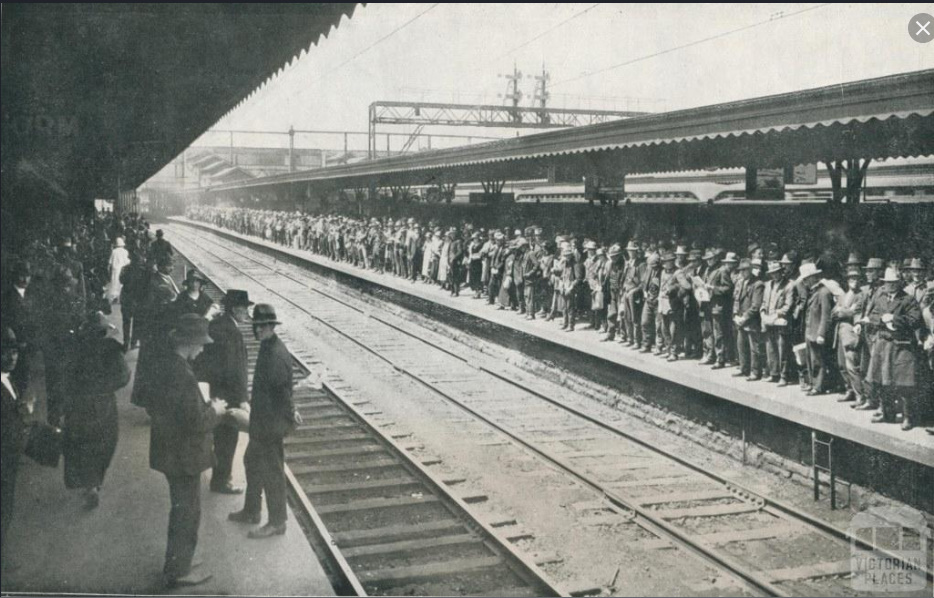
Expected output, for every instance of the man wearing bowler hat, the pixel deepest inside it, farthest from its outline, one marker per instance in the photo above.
(895, 366)
(777, 303)
(180, 446)
(849, 307)
(720, 286)
(633, 275)
(224, 366)
(818, 329)
(272, 418)
(869, 399)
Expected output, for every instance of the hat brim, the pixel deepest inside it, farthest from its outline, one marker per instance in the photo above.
(265, 322)
(190, 340)
(229, 303)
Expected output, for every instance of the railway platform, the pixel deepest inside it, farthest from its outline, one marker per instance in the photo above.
(56, 546)
(785, 415)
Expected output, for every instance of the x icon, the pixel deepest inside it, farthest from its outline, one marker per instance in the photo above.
(919, 28)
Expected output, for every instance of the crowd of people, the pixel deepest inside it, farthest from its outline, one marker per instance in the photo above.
(860, 326)
(63, 285)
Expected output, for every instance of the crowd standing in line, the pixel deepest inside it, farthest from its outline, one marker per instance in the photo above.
(859, 326)
(55, 310)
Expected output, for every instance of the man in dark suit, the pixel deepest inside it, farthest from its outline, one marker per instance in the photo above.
(160, 249)
(747, 303)
(224, 366)
(896, 367)
(633, 278)
(272, 418)
(156, 319)
(180, 446)
(818, 329)
(12, 430)
(720, 283)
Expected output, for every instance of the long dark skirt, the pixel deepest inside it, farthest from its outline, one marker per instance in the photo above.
(476, 270)
(90, 439)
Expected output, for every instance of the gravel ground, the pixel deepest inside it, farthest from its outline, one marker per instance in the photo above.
(575, 536)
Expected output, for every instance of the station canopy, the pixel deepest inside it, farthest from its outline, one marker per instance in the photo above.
(887, 117)
(99, 97)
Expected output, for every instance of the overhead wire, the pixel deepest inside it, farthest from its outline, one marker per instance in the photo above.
(771, 19)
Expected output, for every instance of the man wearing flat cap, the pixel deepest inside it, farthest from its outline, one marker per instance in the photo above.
(272, 418)
(224, 366)
(181, 446)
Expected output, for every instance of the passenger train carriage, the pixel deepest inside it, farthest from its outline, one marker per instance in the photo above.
(880, 188)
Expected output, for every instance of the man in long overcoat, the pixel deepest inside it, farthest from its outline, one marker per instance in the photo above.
(818, 330)
(896, 365)
(224, 366)
(156, 320)
(181, 446)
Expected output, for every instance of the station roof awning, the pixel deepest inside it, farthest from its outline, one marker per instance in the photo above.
(107, 94)
(878, 118)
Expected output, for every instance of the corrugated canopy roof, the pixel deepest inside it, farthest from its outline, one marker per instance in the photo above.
(878, 118)
(112, 92)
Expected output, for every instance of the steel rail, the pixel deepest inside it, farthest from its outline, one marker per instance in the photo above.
(773, 506)
(526, 569)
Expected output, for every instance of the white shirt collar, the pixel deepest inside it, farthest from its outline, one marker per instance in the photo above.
(22, 292)
(5, 376)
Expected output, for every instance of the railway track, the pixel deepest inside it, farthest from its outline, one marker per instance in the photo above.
(378, 520)
(772, 548)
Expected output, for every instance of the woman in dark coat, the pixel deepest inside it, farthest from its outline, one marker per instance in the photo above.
(90, 437)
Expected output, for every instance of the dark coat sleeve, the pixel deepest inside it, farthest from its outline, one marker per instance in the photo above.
(101, 368)
(826, 307)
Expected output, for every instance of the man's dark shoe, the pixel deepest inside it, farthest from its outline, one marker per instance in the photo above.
(186, 581)
(227, 488)
(244, 517)
(267, 531)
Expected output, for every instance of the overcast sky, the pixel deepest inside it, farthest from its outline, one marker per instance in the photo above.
(455, 52)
